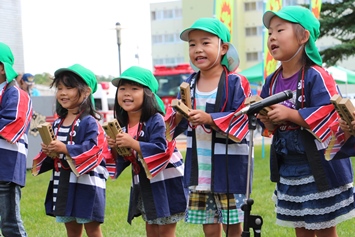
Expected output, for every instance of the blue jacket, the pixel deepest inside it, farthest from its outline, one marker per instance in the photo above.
(164, 194)
(233, 93)
(319, 114)
(15, 117)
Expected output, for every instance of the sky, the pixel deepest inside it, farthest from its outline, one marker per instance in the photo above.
(60, 33)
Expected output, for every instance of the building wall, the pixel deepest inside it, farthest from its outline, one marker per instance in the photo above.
(166, 24)
(11, 30)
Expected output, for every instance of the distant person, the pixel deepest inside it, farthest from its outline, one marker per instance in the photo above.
(27, 83)
(312, 195)
(76, 199)
(15, 116)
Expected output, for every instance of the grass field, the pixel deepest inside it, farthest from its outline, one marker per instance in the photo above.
(38, 224)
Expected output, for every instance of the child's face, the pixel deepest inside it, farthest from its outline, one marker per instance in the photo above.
(68, 97)
(204, 49)
(130, 97)
(282, 42)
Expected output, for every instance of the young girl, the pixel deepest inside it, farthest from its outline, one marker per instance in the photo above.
(161, 200)
(217, 93)
(312, 195)
(76, 192)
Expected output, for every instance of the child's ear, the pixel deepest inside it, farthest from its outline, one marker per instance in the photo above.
(305, 37)
(224, 48)
(88, 92)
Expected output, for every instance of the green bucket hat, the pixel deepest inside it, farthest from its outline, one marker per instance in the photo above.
(304, 17)
(144, 77)
(216, 27)
(7, 58)
(87, 75)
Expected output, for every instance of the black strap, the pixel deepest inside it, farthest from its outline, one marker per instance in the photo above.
(221, 83)
(313, 155)
(194, 162)
(315, 161)
(217, 108)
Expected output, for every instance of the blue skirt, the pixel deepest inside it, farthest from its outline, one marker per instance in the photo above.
(300, 205)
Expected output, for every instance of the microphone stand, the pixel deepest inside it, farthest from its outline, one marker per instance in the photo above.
(250, 221)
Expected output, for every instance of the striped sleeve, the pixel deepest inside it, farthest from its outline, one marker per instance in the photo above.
(90, 152)
(319, 113)
(156, 151)
(16, 114)
(237, 127)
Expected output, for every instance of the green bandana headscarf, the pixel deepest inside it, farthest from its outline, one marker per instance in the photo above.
(7, 58)
(304, 17)
(87, 75)
(144, 77)
(216, 27)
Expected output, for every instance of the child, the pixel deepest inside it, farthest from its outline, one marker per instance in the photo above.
(216, 94)
(15, 117)
(312, 195)
(77, 200)
(161, 200)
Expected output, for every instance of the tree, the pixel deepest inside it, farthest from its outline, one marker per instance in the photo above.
(44, 78)
(338, 21)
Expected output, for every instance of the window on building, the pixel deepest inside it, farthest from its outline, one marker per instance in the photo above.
(158, 61)
(168, 14)
(169, 38)
(254, 56)
(254, 6)
(153, 15)
(178, 13)
(157, 39)
(180, 60)
(250, 6)
(251, 31)
(170, 61)
(157, 15)
(290, 2)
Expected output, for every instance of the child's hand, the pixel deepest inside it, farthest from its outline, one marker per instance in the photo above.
(58, 147)
(45, 149)
(279, 114)
(111, 142)
(266, 121)
(124, 140)
(199, 117)
(345, 126)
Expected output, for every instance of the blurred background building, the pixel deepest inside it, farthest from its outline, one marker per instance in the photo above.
(11, 30)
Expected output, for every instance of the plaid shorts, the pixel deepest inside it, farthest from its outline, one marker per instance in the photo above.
(209, 208)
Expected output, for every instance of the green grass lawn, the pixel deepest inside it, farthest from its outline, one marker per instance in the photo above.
(38, 224)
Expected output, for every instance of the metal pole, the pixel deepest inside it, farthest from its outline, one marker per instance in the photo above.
(118, 31)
